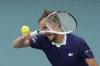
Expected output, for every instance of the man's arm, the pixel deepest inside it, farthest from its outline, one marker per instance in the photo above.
(91, 61)
(22, 41)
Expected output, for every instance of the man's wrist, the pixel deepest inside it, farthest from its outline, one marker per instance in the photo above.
(23, 38)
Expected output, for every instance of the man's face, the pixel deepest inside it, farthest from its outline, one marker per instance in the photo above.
(42, 23)
(49, 35)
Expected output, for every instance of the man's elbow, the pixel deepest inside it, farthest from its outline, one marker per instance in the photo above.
(15, 45)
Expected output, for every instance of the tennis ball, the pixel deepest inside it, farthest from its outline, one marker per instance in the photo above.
(25, 29)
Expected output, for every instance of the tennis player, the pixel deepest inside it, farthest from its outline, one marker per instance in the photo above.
(60, 49)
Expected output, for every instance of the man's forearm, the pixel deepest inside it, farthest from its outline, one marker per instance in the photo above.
(18, 42)
(91, 62)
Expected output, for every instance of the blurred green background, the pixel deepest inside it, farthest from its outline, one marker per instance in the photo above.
(15, 13)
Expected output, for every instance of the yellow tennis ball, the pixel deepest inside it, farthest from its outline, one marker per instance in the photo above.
(25, 29)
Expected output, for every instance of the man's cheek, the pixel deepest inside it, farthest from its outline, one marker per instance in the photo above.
(47, 34)
(50, 38)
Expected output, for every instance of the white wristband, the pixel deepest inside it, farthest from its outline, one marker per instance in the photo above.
(34, 33)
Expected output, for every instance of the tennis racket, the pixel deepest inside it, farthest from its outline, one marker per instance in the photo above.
(58, 22)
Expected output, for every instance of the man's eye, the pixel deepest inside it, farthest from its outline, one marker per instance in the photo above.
(45, 28)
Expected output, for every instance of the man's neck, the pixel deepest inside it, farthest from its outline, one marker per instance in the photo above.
(59, 38)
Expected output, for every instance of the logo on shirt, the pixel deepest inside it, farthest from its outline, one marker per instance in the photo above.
(70, 54)
(87, 51)
(34, 39)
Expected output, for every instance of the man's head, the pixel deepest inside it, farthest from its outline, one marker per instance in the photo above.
(42, 24)
(53, 20)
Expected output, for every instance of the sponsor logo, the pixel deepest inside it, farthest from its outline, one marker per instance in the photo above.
(34, 39)
(70, 54)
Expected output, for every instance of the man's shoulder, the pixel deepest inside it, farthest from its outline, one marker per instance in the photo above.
(75, 39)
(73, 36)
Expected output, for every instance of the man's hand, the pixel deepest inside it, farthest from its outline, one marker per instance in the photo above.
(22, 41)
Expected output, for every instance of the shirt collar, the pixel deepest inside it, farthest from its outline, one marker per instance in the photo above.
(63, 42)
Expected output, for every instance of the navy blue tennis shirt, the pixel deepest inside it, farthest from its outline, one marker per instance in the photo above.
(73, 53)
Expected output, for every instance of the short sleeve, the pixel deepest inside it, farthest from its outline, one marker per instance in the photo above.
(86, 52)
(37, 41)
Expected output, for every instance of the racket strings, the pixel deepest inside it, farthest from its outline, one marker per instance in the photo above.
(60, 23)
(67, 22)
(54, 23)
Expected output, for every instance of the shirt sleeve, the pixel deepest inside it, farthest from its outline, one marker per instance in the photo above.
(37, 41)
(86, 52)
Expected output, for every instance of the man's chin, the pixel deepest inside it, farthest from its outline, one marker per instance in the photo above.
(51, 37)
